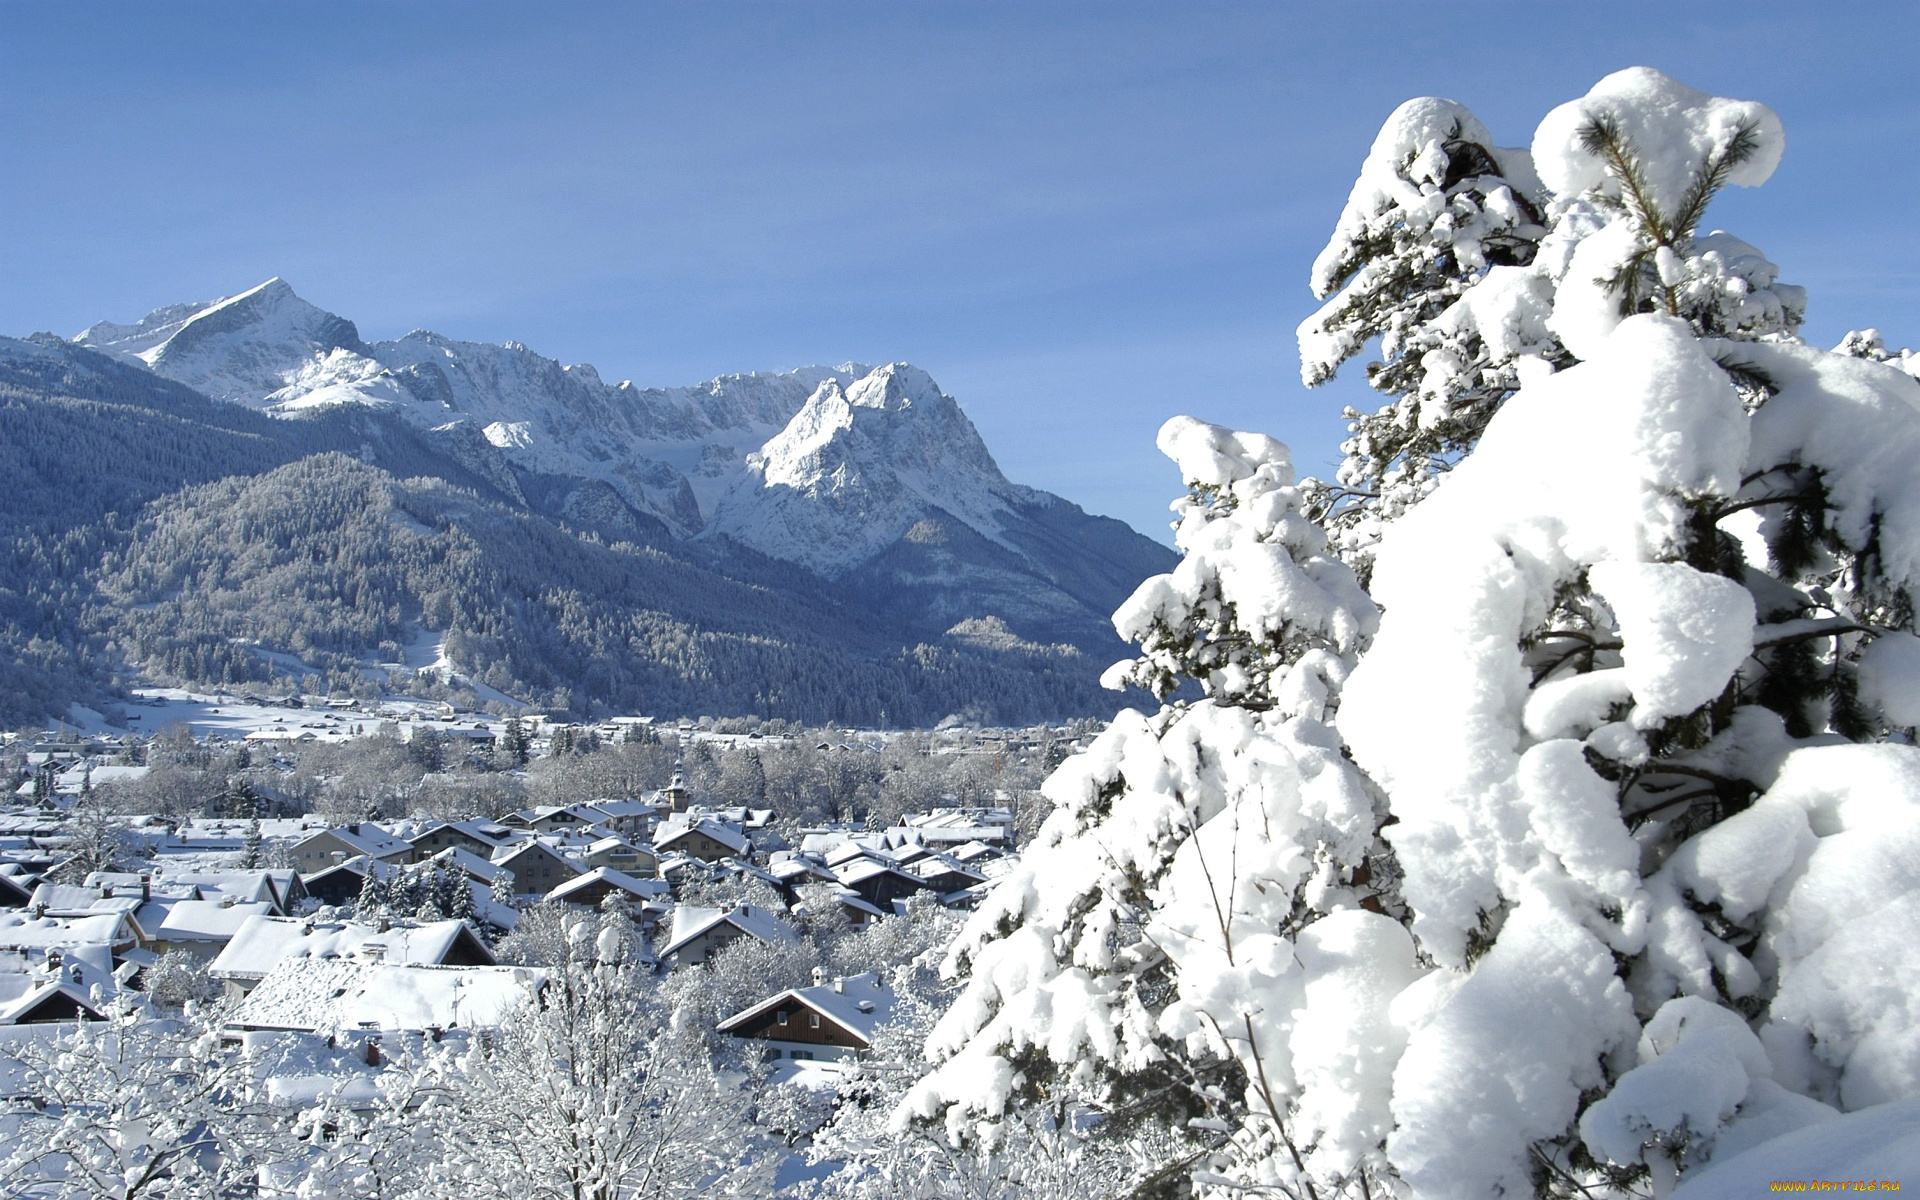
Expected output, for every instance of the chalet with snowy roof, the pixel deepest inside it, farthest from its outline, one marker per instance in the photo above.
(330, 847)
(859, 913)
(677, 868)
(629, 818)
(596, 885)
(706, 839)
(973, 852)
(472, 865)
(621, 855)
(278, 889)
(697, 934)
(361, 994)
(738, 816)
(945, 875)
(263, 942)
(291, 888)
(793, 868)
(851, 849)
(280, 735)
(826, 1021)
(55, 984)
(537, 868)
(341, 883)
(31, 824)
(29, 930)
(480, 838)
(572, 843)
(208, 833)
(951, 826)
(878, 883)
(822, 840)
(45, 1002)
(15, 891)
(70, 899)
(903, 851)
(548, 818)
(199, 927)
(474, 738)
(743, 869)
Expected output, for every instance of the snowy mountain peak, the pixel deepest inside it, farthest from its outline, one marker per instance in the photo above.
(890, 446)
(238, 348)
(894, 387)
(894, 417)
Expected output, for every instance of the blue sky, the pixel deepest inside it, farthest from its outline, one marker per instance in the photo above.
(1080, 218)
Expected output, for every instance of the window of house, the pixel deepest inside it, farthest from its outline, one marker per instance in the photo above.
(813, 1020)
(783, 1016)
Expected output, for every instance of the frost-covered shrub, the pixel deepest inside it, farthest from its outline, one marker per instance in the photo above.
(594, 1087)
(179, 978)
(133, 1105)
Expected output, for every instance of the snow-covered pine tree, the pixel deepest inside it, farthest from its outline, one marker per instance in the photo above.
(430, 888)
(460, 905)
(1437, 211)
(513, 742)
(1453, 253)
(252, 855)
(1192, 934)
(1039, 1153)
(376, 897)
(239, 802)
(501, 889)
(1642, 705)
(1640, 702)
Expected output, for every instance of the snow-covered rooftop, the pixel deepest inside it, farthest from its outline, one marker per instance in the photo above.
(861, 1004)
(262, 942)
(640, 889)
(344, 994)
(691, 921)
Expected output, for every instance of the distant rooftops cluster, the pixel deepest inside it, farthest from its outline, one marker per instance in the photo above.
(268, 935)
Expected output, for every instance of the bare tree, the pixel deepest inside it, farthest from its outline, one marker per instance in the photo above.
(593, 1091)
(135, 1106)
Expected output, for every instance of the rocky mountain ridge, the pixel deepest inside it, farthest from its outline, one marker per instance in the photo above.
(831, 542)
(833, 469)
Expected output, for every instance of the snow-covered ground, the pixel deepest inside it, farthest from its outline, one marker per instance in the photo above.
(1856, 1152)
(233, 717)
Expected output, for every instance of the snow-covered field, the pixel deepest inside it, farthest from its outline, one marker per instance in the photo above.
(234, 716)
